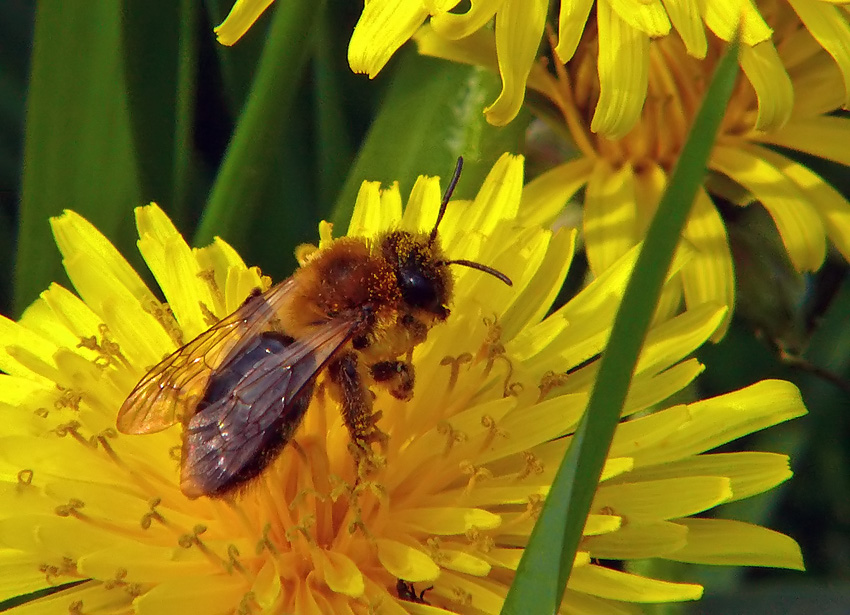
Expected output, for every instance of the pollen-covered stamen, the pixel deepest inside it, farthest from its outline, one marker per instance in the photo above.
(68, 398)
(72, 428)
(265, 542)
(165, 317)
(455, 363)
(71, 509)
(117, 580)
(41, 413)
(25, 478)
(549, 382)
(233, 559)
(435, 546)
(248, 604)
(67, 567)
(461, 597)
(533, 507)
(493, 431)
(302, 529)
(476, 474)
(492, 346)
(532, 466)
(108, 350)
(453, 436)
(76, 607)
(299, 497)
(153, 514)
(208, 276)
(193, 539)
(209, 316)
(479, 540)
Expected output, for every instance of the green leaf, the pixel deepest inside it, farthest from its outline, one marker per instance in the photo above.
(250, 162)
(79, 152)
(432, 113)
(160, 59)
(548, 558)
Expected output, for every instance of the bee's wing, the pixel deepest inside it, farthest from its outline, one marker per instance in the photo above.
(179, 380)
(258, 403)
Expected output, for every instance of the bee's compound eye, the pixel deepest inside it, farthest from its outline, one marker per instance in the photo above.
(417, 290)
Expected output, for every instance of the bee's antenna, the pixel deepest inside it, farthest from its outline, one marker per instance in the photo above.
(446, 196)
(473, 265)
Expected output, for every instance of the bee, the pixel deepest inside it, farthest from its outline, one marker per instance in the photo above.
(353, 312)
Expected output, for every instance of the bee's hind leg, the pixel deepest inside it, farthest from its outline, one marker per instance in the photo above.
(357, 411)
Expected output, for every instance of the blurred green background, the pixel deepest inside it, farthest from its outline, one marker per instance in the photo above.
(108, 105)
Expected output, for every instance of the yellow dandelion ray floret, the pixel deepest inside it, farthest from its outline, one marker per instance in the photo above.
(500, 387)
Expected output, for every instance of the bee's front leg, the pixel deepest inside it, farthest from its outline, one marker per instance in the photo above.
(396, 377)
(357, 412)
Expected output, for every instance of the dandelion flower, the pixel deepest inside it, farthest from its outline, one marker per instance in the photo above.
(500, 387)
(622, 179)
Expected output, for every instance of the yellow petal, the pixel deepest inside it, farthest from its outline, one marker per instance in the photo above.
(686, 18)
(460, 25)
(648, 16)
(798, 223)
(638, 541)
(613, 584)
(829, 27)
(203, 594)
(519, 27)
(734, 543)
(340, 573)
(420, 213)
(241, 17)
(79, 241)
(572, 20)
(404, 562)
(773, 86)
(366, 209)
(545, 196)
(750, 472)
(709, 276)
(610, 217)
(678, 337)
(724, 19)
(830, 205)
(449, 521)
(19, 573)
(623, 74)
(718, 420)
(657, 500)
(383, 27)
(95, 595)
(823, 136)
(175, 268)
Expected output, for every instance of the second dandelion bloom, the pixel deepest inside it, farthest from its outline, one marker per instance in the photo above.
(500, 386)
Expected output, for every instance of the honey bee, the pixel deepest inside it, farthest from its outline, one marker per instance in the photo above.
(354, 312)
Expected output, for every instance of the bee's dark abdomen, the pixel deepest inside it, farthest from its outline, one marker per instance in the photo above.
(223, 380)
(230, 439)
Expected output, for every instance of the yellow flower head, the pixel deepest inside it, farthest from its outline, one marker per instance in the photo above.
(623, 179)
(499, 388)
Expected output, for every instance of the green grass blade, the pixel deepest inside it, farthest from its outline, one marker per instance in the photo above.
(249, 162)
(160, 86)
(432, 113)
(548, 558)
(78, 151)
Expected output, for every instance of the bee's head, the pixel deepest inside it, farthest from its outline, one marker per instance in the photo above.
(421, 271)
(421, 274)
